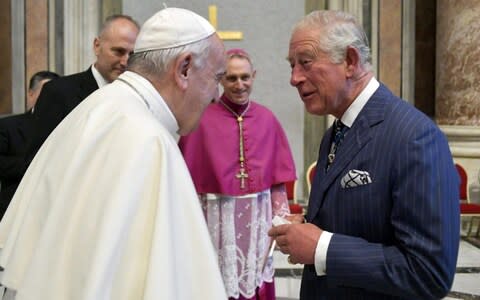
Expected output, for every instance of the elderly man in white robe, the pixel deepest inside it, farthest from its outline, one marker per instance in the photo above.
(107, 209)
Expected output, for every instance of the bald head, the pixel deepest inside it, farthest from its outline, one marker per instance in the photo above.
(114, 45)
(109, 21)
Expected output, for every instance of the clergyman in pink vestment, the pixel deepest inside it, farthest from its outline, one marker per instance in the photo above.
(239, 159)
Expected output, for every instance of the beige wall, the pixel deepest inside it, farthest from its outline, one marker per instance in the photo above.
(36, 37)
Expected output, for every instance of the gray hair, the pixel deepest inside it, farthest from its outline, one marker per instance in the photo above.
(337, 31)
(156, 62)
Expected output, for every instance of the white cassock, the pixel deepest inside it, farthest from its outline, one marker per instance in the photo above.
(107, 209)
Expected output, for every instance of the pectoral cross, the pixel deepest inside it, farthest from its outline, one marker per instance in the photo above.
(242, 175)
(241, 154)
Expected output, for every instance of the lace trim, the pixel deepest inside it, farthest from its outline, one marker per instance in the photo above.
(238, 228)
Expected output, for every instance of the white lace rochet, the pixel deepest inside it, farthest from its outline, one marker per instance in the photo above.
(238, 227)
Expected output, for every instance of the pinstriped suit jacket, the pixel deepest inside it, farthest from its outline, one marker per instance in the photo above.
(397, 237)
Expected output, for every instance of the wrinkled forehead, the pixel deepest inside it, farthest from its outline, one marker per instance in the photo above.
(236, 58)
(303, 42)
(238, 66)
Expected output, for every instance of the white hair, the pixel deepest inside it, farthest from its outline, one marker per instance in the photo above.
(156, 62)
(337, 31)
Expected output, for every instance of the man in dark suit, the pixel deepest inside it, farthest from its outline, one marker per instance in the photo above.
(383, 215)
(112, 48)
(13, 141)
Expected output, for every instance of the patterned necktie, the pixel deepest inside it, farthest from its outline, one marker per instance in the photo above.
(338, 134)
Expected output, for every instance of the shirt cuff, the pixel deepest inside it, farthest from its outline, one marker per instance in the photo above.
(321, 253)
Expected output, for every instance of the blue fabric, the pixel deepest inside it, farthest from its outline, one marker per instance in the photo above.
(339, 131)
(397, 237)
(338, 134)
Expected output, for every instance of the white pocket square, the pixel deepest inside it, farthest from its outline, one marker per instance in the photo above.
(355, 178)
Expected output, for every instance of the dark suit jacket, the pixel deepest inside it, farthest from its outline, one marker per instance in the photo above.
(397, 237)
(57, 98)
(13, 142)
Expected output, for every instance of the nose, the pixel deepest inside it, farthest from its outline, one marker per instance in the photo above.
(238, 83)
(124, 59)
(296, 76)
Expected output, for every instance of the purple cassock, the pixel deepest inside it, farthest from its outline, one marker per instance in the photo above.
(212, 151)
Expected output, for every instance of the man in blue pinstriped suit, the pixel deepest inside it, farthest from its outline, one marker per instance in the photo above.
(383, 216)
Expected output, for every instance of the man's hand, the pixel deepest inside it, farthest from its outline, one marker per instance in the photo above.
(295, 218)
(297, 240)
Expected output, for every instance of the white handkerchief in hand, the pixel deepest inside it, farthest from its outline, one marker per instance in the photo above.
(277, 220)
(355, 178)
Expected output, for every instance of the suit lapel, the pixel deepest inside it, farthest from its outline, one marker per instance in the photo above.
(355, 139)
(318, 186)
(88, 84)
(83, 84)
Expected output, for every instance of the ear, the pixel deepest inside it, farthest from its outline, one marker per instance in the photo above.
(352, 61)
(254, 73)
(96, 45)
(182, 69)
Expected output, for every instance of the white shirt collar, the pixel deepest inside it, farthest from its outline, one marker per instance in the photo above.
(354, 109)
(98, 77)
(153, 100)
